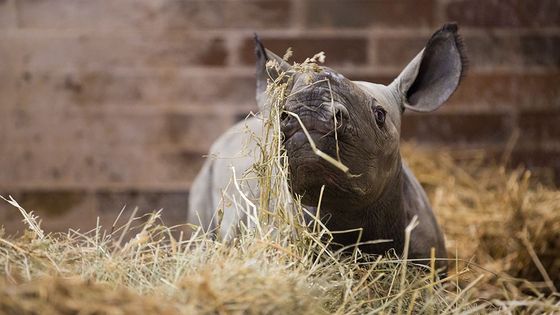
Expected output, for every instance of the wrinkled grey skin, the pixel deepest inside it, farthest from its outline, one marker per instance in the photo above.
(383, 196)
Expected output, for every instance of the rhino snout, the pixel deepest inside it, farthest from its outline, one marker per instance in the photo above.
(341, 112)
(320, 119)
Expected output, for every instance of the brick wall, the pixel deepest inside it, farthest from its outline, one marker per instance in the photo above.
(105, 103)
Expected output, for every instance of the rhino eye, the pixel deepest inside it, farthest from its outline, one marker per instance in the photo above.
(379, 114)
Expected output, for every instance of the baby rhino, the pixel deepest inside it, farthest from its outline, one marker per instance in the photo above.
(382, 196)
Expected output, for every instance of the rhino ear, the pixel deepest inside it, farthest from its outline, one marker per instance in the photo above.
(263, 74)
(434, 74)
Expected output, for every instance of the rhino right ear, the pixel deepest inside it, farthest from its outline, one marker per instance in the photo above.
(434, 74)
(263, 74)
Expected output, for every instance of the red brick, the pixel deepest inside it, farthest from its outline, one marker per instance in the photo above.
(173, 203)
(58, 209)
(61, 209)
(539, 158)
(154, 15)
(55, 126)
(365, 13)
(10, 56)
(45, 146)
(513, 90)
(8, 16)
(398, 52)
(504, 13)
(493, 50)
(115, 131)
(30, 164)
(83, 13)
(8, 90)
(541, 50)
(513, 51)
(39, 126)
(457, 128)
(134, 87)
(539, 126)
(218, 14)
(134, 166)
(257, 14)
(85, 126)
(86, 50)
(183, 164)
(168, 147)
(105, 147)
(195, 131)
(482, 50)
(48, 203)
(339, 51)
(130, 166)
(193, 14)
(86, 164)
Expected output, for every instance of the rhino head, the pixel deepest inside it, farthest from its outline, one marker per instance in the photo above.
(358, 122)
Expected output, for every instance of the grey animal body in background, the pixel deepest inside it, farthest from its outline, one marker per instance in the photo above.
(385, 196)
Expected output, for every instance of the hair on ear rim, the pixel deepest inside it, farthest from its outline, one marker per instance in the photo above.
(259, 48)
(447, 33)
(453, 27)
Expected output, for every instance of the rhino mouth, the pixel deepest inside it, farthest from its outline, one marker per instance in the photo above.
(298, 134)
(301, 155)
(319, 130)
(291, 127)
(299, 145)
(309, 171)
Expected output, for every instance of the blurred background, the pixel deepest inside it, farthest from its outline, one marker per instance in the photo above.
(111, 103)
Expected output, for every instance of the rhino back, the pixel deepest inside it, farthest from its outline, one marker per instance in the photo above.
(235, 148)
(427, 234)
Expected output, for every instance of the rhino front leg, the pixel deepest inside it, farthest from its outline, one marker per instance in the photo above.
(201, 204)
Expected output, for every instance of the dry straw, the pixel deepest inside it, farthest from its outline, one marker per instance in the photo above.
(502, 225)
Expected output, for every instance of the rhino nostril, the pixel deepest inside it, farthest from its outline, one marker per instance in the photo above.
(340, 112)
(284, 116)
(338, 116)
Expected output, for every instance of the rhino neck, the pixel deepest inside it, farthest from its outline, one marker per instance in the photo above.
(384, 219)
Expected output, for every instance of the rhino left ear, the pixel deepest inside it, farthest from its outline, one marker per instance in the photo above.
(263, 73)
(434, 74)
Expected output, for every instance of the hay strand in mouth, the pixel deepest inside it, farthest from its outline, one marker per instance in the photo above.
(318, 152)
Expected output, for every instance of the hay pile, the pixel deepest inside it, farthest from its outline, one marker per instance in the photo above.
(277, 265)
(73, 295)
(506, 221)
(270, 273)
(491, 216)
